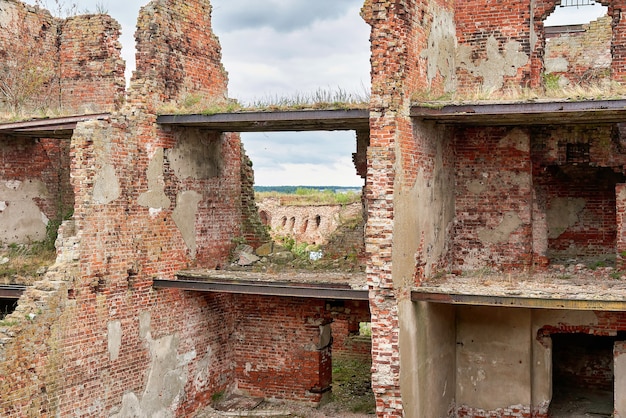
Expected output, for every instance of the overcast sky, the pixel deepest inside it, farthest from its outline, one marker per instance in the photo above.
(283, 47)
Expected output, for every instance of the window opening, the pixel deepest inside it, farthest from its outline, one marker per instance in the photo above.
(575, 12)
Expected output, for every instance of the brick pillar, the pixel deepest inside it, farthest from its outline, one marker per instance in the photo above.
(619, 371)
(359, 158)
(620, 210)
(324, 360)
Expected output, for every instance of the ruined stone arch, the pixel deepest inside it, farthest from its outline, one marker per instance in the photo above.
(266, 218)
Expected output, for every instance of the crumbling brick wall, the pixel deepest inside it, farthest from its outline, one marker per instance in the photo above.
(148, 202)
(306, 223)
(70, 65)
(494, 47)
(283, 348)
(35, 184)
(405, 61)
(91, 71)
(582, 55)
(493, 225)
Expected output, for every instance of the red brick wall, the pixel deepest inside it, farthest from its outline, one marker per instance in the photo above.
(592, 229)
(347, 316)
(79, 56)
(45, 160)
(398, 40)
(493, 194)
(586, 53)
(583, 360)
(479, 20)
(90, 65)
(179, 65)
(63, 361)
(277, 348)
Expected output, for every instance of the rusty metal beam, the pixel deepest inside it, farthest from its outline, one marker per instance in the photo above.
(520, 301)
(274, 121)
(62, 127)
(316, 291)
(536, 113)
(11, 291)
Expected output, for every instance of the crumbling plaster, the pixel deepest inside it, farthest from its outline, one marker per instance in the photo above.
(21, 220)
(498, 63)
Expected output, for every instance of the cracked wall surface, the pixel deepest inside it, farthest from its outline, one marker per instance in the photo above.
(146, 203)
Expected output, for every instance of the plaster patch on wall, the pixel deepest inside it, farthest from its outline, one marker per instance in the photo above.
(510, 222)
(517, 139)
(197, 155)
(184, 216)
(497, 65)
(476, 186)
(562, 213)
(114, 339)
(155, 197)
(8, 14)
(21, 219)
(167, 376)
(440, 53)
(202, 376)
(556, 65)
(106, 186)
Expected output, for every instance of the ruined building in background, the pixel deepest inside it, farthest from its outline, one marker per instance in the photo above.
(494, 230)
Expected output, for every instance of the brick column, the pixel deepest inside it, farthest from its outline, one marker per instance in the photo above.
(620, 240)
(619, 370)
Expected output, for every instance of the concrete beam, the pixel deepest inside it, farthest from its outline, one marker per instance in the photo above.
(519, 301)
(275, 121)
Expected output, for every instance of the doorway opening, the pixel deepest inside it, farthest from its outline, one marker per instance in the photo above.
(7, 306)
(582, 375)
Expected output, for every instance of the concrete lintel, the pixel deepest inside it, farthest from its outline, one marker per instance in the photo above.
(519, 301)
(535, 113)
(317, 291)
(274, 121)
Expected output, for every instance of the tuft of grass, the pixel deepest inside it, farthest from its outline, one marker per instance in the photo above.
(320, 99)
(352, 385)
(196, 104)
(601, 89)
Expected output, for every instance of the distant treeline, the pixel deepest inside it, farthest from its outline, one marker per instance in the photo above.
(299, 189)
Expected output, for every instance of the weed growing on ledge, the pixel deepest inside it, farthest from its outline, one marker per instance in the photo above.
(320, 99)
(551, 90)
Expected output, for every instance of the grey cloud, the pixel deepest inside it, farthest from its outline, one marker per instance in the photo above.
(323, 148)
(282, 15)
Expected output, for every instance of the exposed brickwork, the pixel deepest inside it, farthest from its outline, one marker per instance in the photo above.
(347, 316)
(493, 182)
(147, 202)
(78, 60)
(36, 170)
(90, 65)
(306, 223)
(581, 56)
(280, 350)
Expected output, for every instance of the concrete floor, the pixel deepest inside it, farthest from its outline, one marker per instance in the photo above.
(581, 403)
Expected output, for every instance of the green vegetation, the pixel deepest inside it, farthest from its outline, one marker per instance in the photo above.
(552, 88)
(304, 196)
(352, 386)
(320, 99)
(27, 260)
(551, 81)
